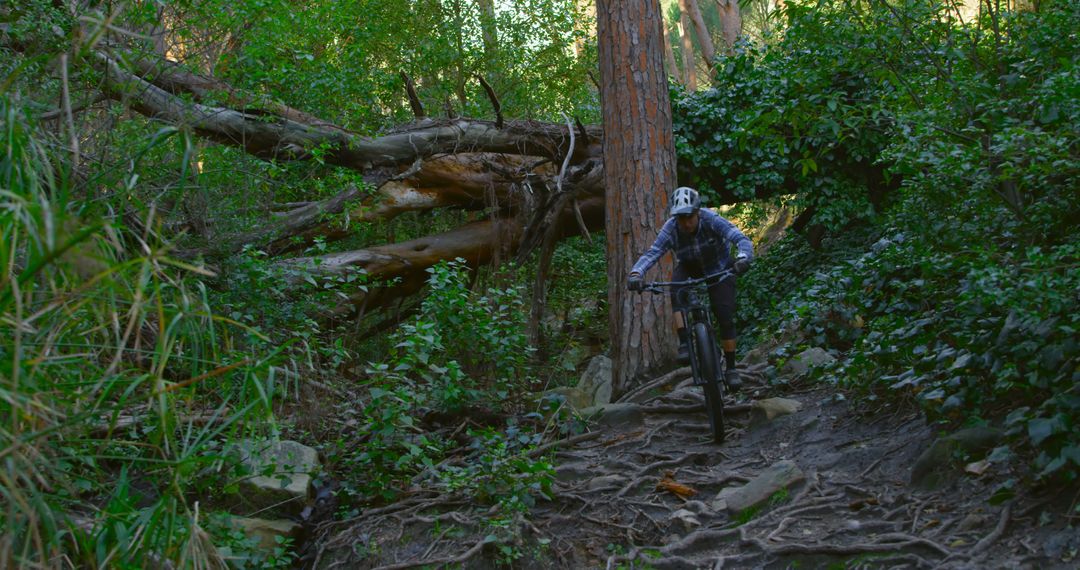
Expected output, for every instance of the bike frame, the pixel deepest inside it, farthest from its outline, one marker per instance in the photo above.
(701, 342)
(690, 299)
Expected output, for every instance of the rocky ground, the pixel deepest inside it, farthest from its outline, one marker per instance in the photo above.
(806, 479)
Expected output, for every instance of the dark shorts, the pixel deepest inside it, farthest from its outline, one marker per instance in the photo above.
(721, 297)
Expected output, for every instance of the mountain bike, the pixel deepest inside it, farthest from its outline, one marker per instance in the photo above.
(706, 362)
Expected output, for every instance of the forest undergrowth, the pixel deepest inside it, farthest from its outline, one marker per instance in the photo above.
(938, 159)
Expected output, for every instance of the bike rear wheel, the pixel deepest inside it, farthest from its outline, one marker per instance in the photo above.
(708, 367)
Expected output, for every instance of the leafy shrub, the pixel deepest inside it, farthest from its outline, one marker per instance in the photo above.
(995, 122)
(969, 304)
(501, 471)
(973, 336)
(484, 332)
(803, 116)
(434, 366)
(790, 268)
(575, 323)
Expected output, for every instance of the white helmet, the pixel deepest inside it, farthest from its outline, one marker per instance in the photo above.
(685, 200)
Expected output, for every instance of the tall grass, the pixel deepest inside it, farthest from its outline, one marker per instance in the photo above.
(119, 387)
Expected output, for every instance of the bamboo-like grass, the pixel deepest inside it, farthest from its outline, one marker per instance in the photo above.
(119, 387)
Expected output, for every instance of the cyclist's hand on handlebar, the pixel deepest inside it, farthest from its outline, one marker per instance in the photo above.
(635, 282)
(741, 266)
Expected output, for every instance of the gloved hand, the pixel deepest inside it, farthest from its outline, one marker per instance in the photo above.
(635, 282)
(741, 265)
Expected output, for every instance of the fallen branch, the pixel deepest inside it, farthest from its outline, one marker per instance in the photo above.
(414, 100)
(495, 105)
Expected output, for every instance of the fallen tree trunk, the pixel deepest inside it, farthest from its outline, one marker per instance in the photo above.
(536, 183)
(270, 136)
(431, 164)
(469, 181)
(478, 243)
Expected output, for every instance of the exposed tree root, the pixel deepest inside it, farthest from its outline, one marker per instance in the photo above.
(995, 534)
(694, 409)
(897, 543)
(570, 441)
(611, 497)
(439, 562)
(672, 551)
(639, 477)
(678, 374)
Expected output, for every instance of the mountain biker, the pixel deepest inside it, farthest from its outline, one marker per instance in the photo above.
(701, 242)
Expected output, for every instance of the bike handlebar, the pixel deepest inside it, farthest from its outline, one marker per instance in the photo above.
(659, 286)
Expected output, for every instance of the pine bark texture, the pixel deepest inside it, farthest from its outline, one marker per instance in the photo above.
(640, 153)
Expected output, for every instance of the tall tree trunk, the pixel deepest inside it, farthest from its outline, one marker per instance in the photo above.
(488, 29)
(731, 21)
(669, 57)
(159, 33)
(704, 39)
(634, 102)
(687, 52)
(583, 25)
(459, 44)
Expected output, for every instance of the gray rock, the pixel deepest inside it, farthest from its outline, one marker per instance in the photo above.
(697, 507)
(1062, 543)
(687, 519)
(719, 503)
(615, 414)
(757, 355)
(605, 482)
(972, 522)
(937, 466)
(802, 363)
(771, 408)
(282, 474)
(573, 397)
(266, 532)
(595, 383)
(760, 489)
(977, 439)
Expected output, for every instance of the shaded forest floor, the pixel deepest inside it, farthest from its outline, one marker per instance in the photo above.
(652, 491)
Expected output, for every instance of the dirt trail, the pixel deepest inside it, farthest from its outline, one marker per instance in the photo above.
(642, 493)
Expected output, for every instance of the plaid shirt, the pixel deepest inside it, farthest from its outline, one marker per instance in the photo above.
(705, 252)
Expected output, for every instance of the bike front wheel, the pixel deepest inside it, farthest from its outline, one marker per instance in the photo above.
(708, 368)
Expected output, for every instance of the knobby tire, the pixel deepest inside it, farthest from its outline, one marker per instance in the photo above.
(708, 367)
